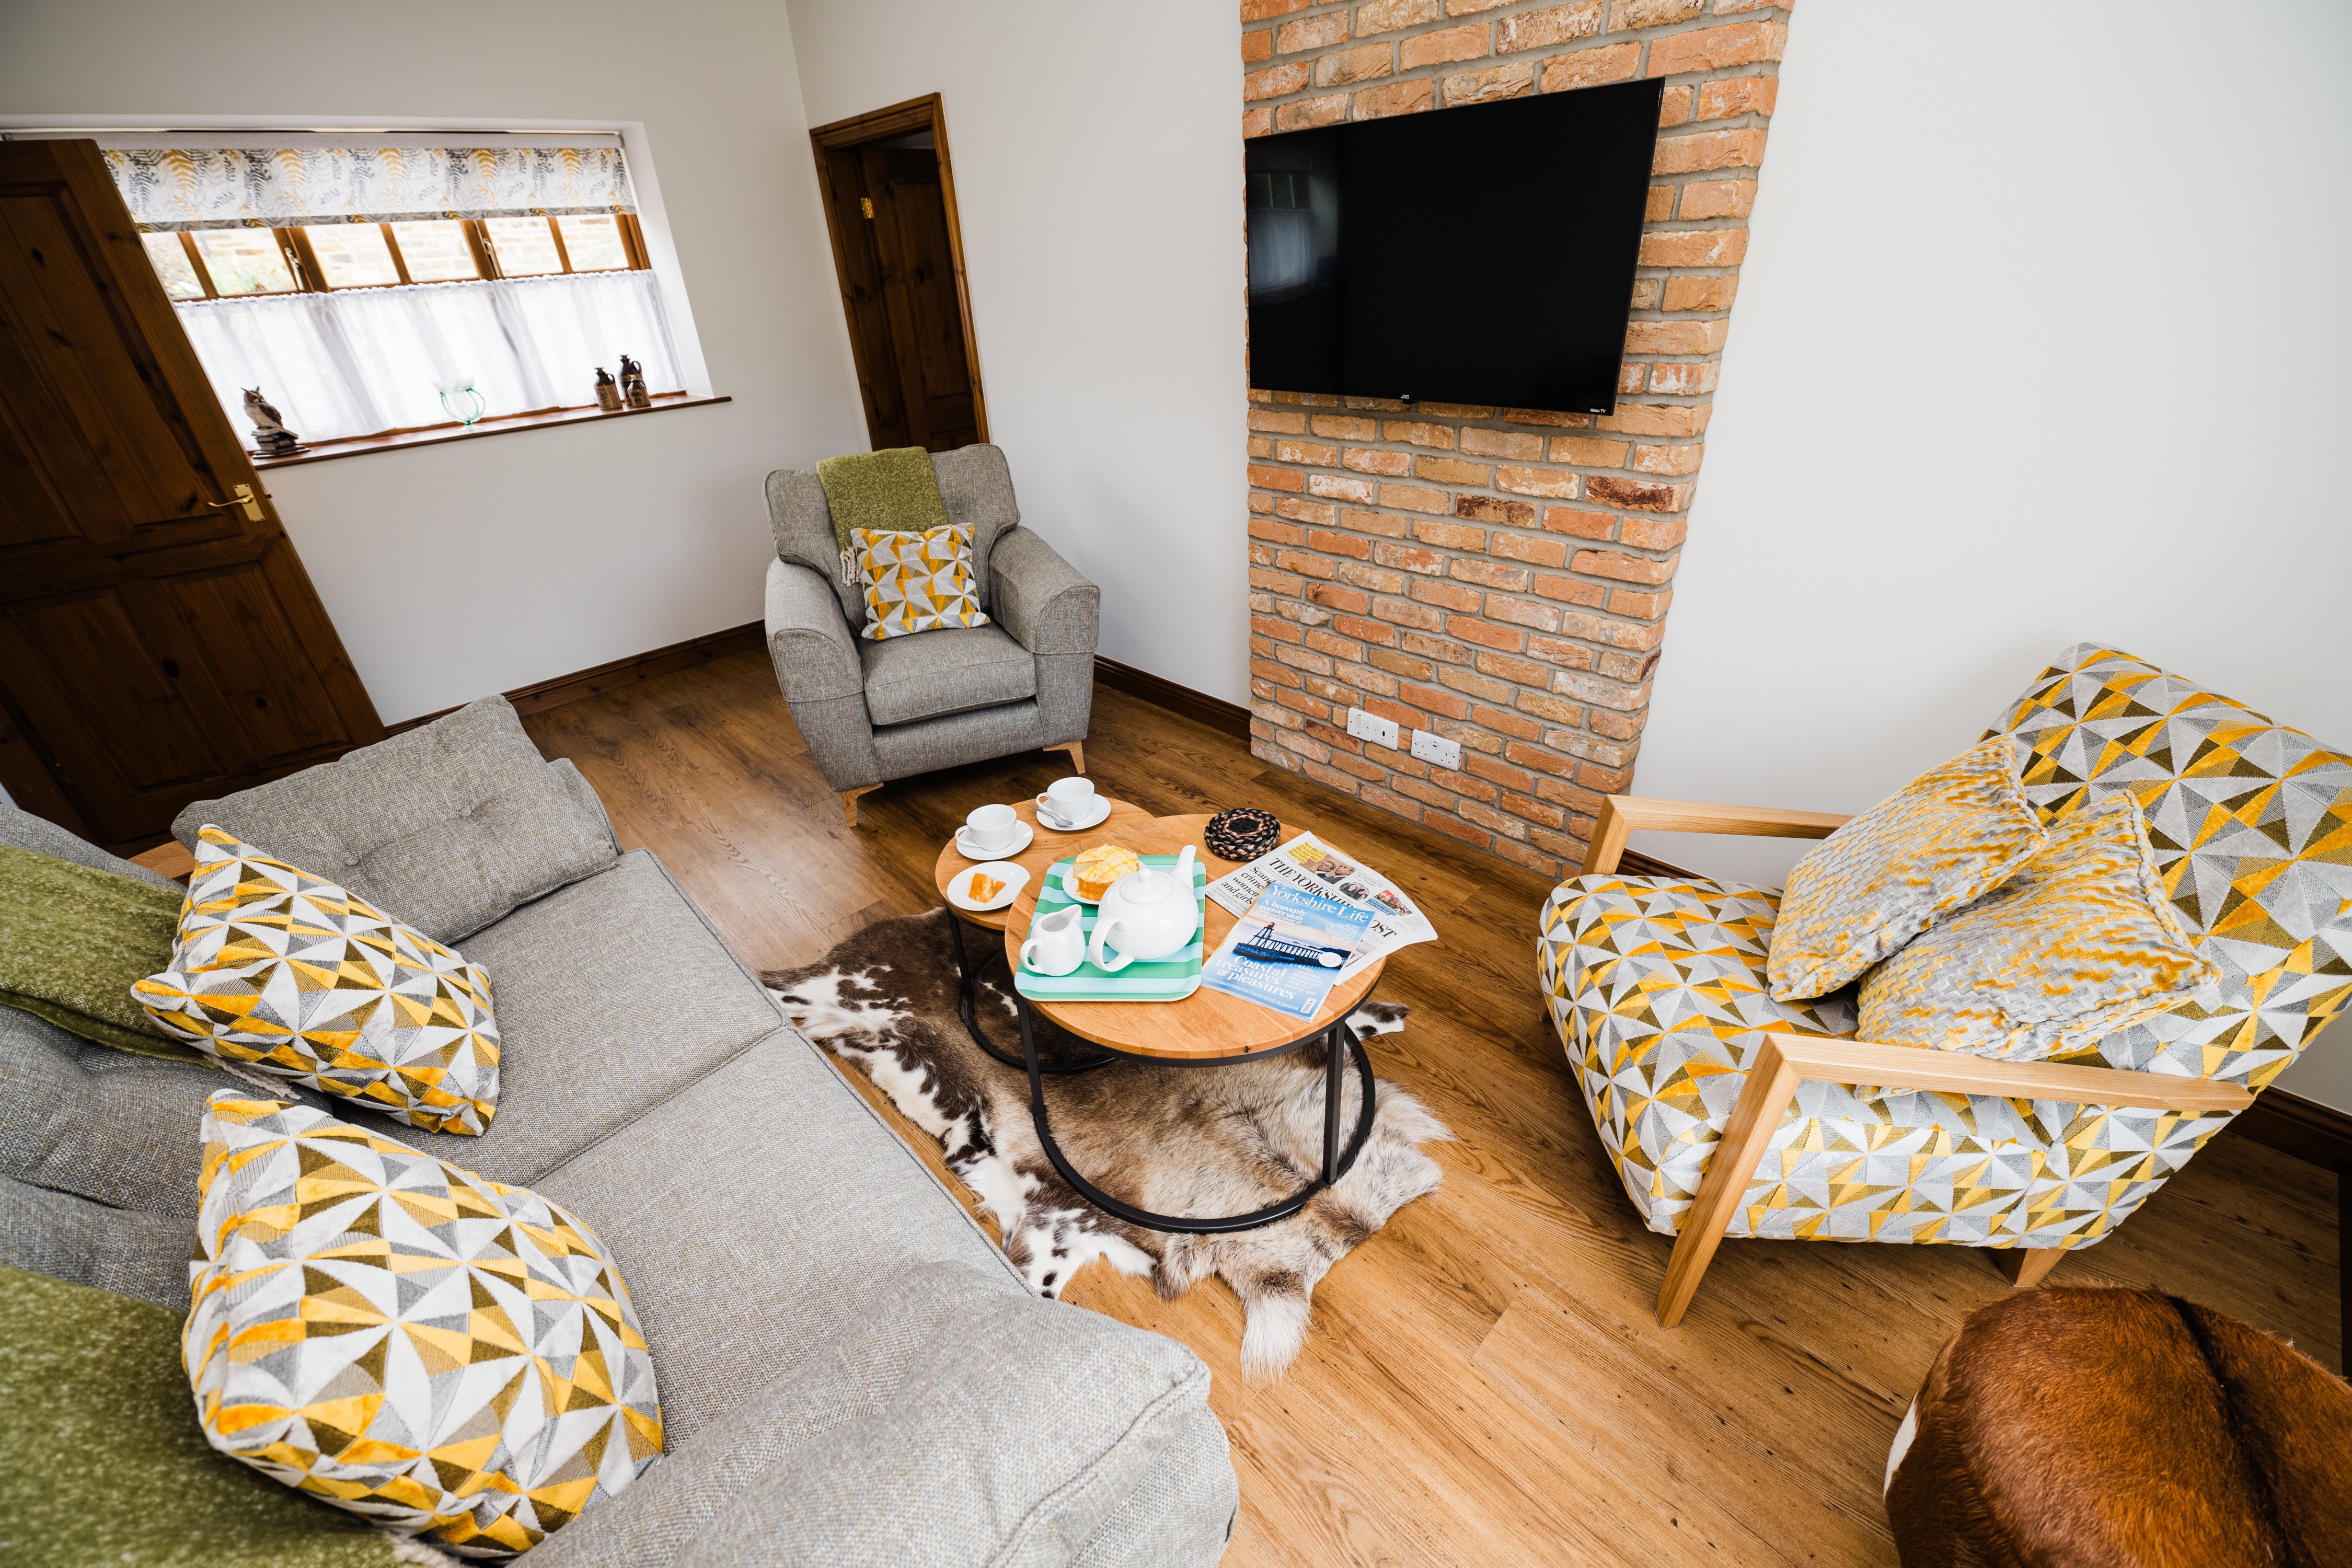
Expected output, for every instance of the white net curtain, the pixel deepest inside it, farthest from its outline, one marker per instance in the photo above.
(360, 362)
(363, 361)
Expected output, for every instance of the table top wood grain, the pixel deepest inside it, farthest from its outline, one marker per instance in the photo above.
(1207, 1024)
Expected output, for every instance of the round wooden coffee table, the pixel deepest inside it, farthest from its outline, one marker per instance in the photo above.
(1123, 823)
(1207, 1028)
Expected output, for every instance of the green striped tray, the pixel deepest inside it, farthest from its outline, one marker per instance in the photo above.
(1171, 979)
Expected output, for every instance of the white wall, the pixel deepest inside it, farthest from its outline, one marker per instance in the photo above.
(1097, 167)
(458, 570)
(2039, 339)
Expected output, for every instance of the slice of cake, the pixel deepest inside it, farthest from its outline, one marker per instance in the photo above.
(1101, 865)
(984, 887)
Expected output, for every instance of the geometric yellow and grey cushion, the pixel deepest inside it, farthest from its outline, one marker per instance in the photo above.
(445, 1355)
(290, 974)
(1945, 839)
(2080, 942)
(2251, 825)
(916, 582)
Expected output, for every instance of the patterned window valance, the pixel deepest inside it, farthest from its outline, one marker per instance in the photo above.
(250, 187)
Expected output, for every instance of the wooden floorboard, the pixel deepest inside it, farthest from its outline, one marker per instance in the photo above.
(1483, 1383)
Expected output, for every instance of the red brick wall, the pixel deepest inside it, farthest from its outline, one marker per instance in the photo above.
(1498, 575)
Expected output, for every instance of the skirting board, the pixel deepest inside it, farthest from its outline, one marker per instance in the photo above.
(540, 695)
(2311, 1131)
(1217, 713)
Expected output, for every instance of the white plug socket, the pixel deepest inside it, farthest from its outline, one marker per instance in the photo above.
(1437, 750)
(1373, 727)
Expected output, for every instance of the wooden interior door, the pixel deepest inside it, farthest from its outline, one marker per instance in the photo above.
(891, 212)
(160, 641)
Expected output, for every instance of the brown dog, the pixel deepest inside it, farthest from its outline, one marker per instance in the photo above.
(2122, 1429)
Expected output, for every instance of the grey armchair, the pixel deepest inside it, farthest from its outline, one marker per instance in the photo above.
(874, 712)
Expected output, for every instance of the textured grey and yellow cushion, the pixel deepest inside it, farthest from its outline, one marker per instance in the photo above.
(290, 974)
(444, 828)
(2079, 942)
(106, 1463)
(443, 1354)
(1945, 839)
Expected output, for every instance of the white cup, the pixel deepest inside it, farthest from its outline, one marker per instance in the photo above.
(1055, 944)
(991, 828)
(1068, 800)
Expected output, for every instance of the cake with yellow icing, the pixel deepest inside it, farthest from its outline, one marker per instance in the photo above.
(1101, 865)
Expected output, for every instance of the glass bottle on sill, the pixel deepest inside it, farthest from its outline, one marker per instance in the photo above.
(460, 402)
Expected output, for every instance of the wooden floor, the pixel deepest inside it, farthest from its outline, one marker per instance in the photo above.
(1483, 1383)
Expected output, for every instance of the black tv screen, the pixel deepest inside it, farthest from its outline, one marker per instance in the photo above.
(1479, 254)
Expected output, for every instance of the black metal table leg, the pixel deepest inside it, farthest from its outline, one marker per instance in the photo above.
(967, 978)
(1336, 1165)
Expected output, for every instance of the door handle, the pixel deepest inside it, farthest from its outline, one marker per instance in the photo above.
(246, 499)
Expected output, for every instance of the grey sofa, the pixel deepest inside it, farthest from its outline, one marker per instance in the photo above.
(849, 1371)
(874, 712)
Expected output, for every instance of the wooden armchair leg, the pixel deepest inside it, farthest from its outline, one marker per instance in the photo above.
(1077, 750)
(1771, 1084)
(2026, 1266)
(849, 801)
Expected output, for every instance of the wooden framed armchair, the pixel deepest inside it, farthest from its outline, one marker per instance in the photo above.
(1729, 1113)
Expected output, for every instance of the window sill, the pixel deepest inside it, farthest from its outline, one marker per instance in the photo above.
(507, 424)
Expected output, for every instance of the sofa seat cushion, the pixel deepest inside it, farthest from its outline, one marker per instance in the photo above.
(449, 1357)
(446, 828)
(612, 995)
(952, 670)
(898, 1395)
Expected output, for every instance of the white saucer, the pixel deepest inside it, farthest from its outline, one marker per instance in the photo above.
(1102, 812)
(1070, 885)
(1014, 879)
(1023, 834)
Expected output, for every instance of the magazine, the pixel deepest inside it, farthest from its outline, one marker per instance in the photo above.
(1309, 864)
(1286, 952)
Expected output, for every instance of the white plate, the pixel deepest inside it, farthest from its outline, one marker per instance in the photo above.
(1070, 885)
(1014, 879)
(1102, 812)
(1023, 835)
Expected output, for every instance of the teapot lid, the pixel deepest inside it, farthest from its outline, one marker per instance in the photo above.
(1149, 885)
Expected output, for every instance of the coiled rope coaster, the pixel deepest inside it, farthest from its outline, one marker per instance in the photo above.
(1242, 833)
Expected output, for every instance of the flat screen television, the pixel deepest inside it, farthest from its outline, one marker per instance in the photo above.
(1479, 254)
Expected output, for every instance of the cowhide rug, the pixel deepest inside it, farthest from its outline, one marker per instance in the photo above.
(1173, 1139)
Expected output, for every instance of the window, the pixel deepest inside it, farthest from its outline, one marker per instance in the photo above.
(229, 263)
(335, 276)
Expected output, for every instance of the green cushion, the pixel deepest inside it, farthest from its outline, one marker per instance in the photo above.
(73, 939)
(894, 491)
(107, 1463)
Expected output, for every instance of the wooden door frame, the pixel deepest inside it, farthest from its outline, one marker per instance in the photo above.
(926, 113)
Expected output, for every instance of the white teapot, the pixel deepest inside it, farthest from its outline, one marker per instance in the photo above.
(1153, 914)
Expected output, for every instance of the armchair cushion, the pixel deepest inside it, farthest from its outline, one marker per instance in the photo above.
(916, 582)
(2251, 825)
(1658, 988)
(1945, 839)
(952, 670)
(2079, 944)
(444, 828)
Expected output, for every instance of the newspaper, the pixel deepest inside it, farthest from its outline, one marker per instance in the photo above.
(1286, 953)
(1309, 864)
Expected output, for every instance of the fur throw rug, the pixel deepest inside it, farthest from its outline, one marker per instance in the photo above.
(1172, 1139)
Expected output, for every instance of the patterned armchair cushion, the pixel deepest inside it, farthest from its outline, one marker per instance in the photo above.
(1658, 988)
(2251, 824)
(1943, 840)
(2080, 942)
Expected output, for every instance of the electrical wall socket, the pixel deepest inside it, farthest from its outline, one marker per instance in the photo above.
(1437, 748)
(1373, 727)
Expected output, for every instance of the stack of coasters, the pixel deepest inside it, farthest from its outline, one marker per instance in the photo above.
(1243, 833)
